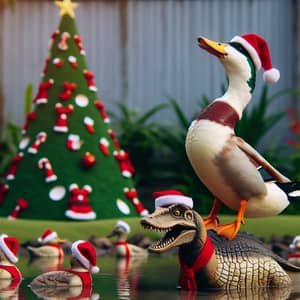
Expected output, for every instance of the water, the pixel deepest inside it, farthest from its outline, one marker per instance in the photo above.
(152, 278)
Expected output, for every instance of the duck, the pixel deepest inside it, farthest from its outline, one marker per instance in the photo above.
(294, 256)
(122, 247)
(226, 164)
(208, 260)
(50, 245)
(83, 262)
(9, 247)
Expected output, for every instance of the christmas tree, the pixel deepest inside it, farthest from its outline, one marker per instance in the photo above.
(69, 163)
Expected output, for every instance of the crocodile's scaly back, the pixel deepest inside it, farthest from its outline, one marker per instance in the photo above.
(208, 260)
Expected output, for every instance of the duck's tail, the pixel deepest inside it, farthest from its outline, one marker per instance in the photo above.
(292, 189)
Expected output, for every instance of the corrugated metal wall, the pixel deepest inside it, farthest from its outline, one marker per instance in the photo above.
(141, 52)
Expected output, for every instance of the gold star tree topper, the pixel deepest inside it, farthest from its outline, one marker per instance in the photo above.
(67, 7)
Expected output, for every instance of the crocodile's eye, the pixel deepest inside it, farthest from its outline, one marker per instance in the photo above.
(189, 215)
(176, 213)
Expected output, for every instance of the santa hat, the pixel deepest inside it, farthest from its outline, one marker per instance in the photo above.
(258, 49)
(295, 241)
(123, 225)
(10, 246)
(86, 254)
(47, 236)
(169, 197)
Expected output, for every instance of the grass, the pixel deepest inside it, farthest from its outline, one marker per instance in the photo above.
(26, 230)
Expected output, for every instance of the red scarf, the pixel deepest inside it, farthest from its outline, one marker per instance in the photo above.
(13, 270)
(294, 255)
(125, 244)
(59, 249)
(188, 281)
(85, 276)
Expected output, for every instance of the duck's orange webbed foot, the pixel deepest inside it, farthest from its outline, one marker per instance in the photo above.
(230, 230)
(212, 220)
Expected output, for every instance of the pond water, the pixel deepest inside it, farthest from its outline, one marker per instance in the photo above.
(152, 278)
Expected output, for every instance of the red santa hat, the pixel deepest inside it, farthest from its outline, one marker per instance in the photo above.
(258, 49)
(169, 197)
(86, 254)
(9, 246)
(47, 236)
(123, 225)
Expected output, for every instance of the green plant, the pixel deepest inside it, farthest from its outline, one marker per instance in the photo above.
(139, 137)
(258, 121)
(9, 140)
(11, 134)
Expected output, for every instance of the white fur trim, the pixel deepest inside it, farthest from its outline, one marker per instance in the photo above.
(173, 199)
(78, 255)
(251, 50)
(88, 121)
(124, 225)
(88, 188)
(104, 141)
(94, 269)
(48, 238)
(80, 216)
(51, 178)
(10, 255)
(61, 128)
(73, 186)
(295, 241)
(271, 76)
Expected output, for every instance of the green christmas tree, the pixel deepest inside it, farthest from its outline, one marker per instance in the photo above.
(69, 164)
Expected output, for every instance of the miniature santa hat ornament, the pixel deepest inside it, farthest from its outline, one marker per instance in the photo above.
(47, 236)
(169, 197)
(123, 225)
(86, 254)
(10, 246)
(258, 49)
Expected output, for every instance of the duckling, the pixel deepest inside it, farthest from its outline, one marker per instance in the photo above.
(124, 249)
(294, 257)
(8, 258)
(225, 163)
(50, 245)
(83, 263)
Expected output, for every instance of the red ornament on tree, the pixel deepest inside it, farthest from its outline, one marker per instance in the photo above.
(88, 160)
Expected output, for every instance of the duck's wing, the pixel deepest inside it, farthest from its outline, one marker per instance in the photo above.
(52, 279)
(43, 251)
(137, 251)
(259, 159)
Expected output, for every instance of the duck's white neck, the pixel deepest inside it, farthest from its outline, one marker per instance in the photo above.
(238, 94)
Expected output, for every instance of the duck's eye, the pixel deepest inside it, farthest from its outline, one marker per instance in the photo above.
(176, 213)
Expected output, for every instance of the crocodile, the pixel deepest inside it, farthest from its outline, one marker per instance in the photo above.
(210, 261)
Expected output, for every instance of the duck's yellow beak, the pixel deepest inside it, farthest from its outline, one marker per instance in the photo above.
(215, 48)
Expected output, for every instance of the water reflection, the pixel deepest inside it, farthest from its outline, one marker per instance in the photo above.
(74, 292)
(249, 294)
(127, 270)
(46, 264)
(152, 278)
(9, 289)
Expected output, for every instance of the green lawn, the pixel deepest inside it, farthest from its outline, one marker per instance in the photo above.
(29, 230)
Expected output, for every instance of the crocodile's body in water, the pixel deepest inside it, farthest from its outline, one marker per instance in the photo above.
(211, 261)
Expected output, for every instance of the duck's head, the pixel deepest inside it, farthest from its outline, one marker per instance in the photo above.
(242, 57)
(121, 230)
